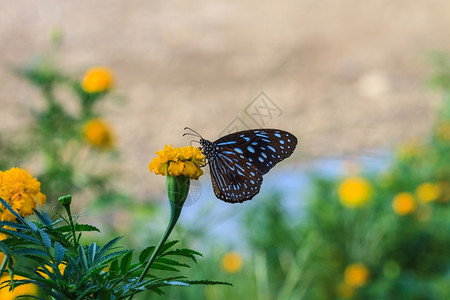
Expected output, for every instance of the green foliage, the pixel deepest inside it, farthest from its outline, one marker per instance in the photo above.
(37, 250)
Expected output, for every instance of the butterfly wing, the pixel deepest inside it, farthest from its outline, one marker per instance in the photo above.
(234, 178)
(243, 157)
(264, 148)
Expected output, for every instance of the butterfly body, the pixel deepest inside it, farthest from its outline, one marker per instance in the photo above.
(239, 160)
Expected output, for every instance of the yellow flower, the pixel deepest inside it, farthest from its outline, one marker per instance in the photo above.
(443, 131)
(25, 289)
(356, 275)
(403, 204)
(410, 148)
(354, 191)
(98, 133)
(345, 291)
(185, 161)
(232, 262)
(97, 80)
(21, 191)
(428, 192)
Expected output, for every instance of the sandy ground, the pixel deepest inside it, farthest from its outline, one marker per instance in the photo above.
(342, 75)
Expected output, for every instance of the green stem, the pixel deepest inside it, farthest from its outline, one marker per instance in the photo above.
(72, 226)
(175, 211)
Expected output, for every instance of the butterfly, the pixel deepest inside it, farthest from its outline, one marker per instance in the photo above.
(238, 161)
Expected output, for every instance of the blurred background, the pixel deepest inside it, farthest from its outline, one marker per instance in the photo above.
(349, 78)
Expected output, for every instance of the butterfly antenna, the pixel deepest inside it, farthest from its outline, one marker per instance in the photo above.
(193, 133)
(194, 141)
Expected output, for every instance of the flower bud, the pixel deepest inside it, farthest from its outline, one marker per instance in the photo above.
(65, 200)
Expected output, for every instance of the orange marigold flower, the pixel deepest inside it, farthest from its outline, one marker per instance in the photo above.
(232, 262)
(99, 134)
(21, 191)
(185, 161)
(21, 290)
(403, 204)
(97, 80)
(427, 192)
(356, 275)
(354, 191)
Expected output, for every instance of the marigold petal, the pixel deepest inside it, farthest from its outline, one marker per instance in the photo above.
(176, 168)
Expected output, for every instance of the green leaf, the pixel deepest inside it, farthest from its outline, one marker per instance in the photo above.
(92, 251)
(33, 226)
(176, 283)
(14, 225)
(126, 262)
(73, 264)
(59, 252)
(145, 254)
(20, 235)
(30, 252)
(45, 238)
(166, 246)
(102, 263)
(207, 282)
(82, 256)
(108, 245)
(184, 252)
(44, 218)
(78, 227)
(171, 262)
(163, 267)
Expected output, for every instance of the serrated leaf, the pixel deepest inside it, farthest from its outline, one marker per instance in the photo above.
(166, 246)
(145, 254)
(92, 251)
(14, 225)
(44, 218)
(30, 251)
(176, 283)
(78, 227)
(73, 264)
(126, 262)
(102, 263)
(21, 235)
(33, 226)
(207, 282)
(163, 267)
(171, 262)
(184, 252)
(108, 245)
(59, 252)
(45, 238)
(82, 256)
(114, 267)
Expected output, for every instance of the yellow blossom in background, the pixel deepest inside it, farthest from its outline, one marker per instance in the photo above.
(403, 204)
(25, 289)
(61, 267)
(97, 80)
(428, 192)
(354, 191)
(345, 291)
(356, 275)
(98, 133)
(232, 262)
(443, 131)
(21, 191)
(410, 148)
(185, 161)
